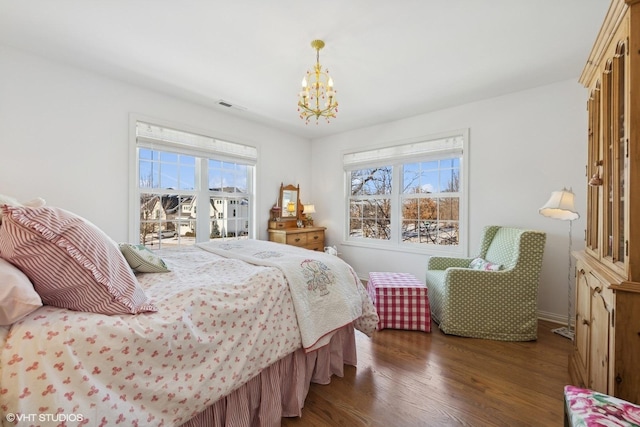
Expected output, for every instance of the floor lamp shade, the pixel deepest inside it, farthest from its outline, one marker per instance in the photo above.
(560, 206)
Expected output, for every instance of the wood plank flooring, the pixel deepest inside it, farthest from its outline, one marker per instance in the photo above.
(411, 378)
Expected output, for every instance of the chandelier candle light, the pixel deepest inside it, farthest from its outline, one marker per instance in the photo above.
(317, 97)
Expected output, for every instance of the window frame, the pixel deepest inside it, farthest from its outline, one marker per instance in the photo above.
(396, 155)
(202, 155)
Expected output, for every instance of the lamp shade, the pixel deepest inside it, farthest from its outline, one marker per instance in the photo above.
(309, 209)
(560, 206)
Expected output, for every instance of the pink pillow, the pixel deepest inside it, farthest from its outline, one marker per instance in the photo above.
(71, 262)
(17, 296)
(481, 264)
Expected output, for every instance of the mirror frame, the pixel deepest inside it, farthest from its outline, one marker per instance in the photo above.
(297, 214)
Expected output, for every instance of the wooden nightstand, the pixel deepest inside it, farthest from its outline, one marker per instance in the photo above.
(307, 237)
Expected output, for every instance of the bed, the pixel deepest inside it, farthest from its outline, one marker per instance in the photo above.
(229, 333)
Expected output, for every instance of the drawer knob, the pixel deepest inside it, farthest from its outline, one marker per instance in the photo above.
(297, 239)
(315, 237)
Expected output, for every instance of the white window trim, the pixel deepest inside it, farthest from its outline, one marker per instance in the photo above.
(390, 155)
(227, 153)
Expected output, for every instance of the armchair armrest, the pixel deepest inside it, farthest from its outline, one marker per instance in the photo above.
(442, 263)
(467, 277)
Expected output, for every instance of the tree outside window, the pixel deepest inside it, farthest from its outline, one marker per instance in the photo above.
(370, 204)
(408, 195)
(431, 202)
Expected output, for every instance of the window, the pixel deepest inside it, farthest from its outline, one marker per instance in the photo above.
(189, 188)
(370, 203)
(409, 196)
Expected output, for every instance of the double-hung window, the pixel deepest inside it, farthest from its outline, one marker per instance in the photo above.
(188, 187)
(410, 196)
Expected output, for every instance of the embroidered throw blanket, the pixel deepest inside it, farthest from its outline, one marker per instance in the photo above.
(325, 289)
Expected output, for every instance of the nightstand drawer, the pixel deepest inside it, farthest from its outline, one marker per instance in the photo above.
(315, 237)
(306, 237)
(277, 225)
(315, 246)
(297, 239)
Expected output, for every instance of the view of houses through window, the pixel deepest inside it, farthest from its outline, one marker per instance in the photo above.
(170, 219)
(188, 196)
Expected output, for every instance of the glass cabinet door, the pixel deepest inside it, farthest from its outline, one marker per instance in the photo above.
(607, 165)
(594, 174)
(615, 160)
(620, 156)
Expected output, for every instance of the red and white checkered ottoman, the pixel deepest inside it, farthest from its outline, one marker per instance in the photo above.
(401, 301)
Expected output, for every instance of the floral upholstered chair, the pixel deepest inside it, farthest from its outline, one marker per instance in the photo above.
(494, 295)
(586, 408)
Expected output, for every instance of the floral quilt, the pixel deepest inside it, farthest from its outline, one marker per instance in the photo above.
(219, 323)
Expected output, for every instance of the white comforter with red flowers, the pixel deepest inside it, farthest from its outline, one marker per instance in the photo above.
(219, 323)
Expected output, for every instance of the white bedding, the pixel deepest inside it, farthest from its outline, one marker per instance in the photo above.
(326, 292)
(220, 322)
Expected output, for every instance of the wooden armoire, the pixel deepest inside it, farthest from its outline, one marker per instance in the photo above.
(606, 353)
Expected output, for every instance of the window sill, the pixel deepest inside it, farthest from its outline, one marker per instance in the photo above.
(430, 251)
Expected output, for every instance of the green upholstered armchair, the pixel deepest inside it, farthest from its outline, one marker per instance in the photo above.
(498, 305)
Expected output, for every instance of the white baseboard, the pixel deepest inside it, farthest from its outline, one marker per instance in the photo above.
(560, 319)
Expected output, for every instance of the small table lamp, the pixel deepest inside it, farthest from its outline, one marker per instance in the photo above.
(560, 206)
(291, 208)
(308, 210)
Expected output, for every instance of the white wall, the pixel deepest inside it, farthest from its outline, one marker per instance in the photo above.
(522, 147)
(64, 137)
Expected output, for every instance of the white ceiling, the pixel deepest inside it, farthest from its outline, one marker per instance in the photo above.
(389, 59)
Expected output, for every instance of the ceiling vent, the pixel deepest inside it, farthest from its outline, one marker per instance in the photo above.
(227, 104)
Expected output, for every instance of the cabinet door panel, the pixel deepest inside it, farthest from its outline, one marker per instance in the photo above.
(600, 322)
(583, 319)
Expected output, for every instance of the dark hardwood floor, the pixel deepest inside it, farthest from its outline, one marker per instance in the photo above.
(411, 378)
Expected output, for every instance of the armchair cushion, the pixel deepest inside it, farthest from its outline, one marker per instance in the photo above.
(500, 305)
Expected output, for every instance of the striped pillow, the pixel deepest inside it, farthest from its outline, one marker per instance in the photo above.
(71, 262)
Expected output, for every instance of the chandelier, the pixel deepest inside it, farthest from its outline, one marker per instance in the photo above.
(317, 97)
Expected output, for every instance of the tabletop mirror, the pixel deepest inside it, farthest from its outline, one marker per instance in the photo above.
(289, 202)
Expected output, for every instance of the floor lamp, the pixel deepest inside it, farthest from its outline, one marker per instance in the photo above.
(560, 206)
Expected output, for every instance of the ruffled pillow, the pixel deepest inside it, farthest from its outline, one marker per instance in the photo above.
(10, 201)
(481, 264)
(71, 262)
